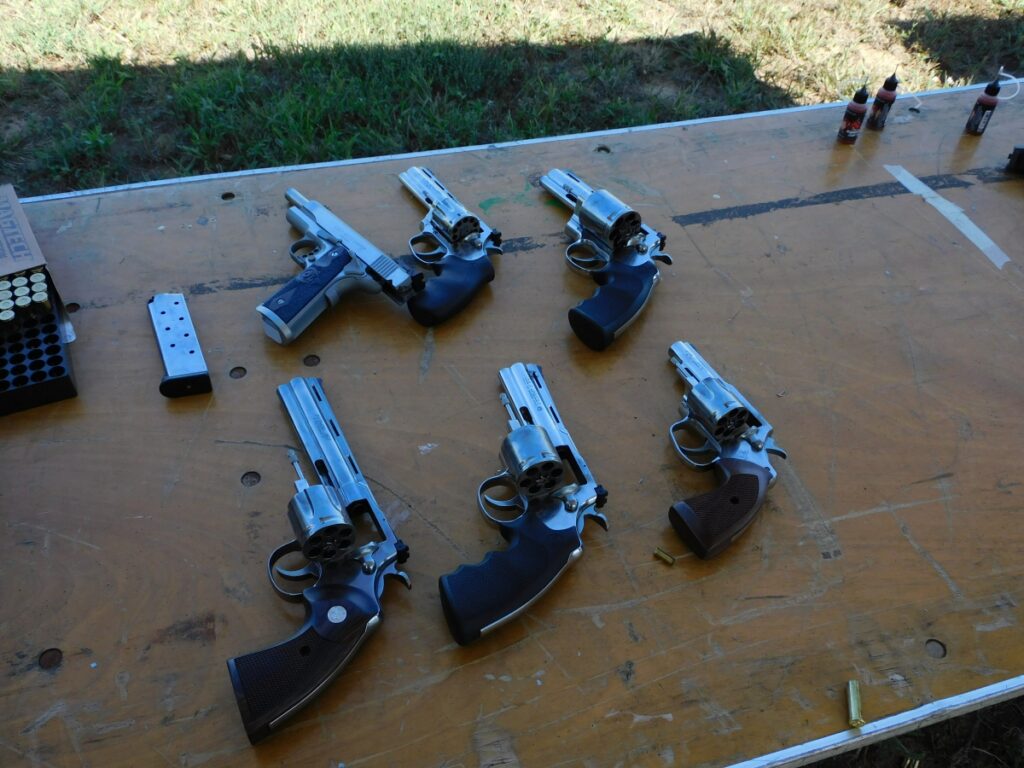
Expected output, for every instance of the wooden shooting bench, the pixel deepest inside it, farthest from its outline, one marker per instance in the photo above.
(884, 344)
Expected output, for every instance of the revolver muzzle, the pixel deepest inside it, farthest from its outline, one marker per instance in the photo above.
(718, 411)
(609, 217)
(323, 530)
(532, 461)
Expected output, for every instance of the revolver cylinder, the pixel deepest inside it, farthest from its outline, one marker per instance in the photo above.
(715, 407)
(322, 528)
(454, 220)
(607, 216)
(531, 459)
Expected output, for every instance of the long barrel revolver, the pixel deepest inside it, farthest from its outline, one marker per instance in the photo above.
(343, 604)
(611, 243)
(335, 260)
(729, 435)
(454, 243)
(549, 493)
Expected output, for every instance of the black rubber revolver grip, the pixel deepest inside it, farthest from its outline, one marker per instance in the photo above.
(708, 523)
(474, 597)
(622, 292)
(456, 283)
(272, 684)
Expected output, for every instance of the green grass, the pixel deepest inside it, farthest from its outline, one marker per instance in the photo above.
(95, 92)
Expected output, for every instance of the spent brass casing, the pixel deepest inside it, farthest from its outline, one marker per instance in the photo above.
(22, 301)
(6, 295)
(22, 290)
(37, 277)
(853, 703)
(6, 316)
(5, 285)
(19, 281)
(6, 304)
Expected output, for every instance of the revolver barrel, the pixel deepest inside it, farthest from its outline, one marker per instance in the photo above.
(446, 212)
(569, 188)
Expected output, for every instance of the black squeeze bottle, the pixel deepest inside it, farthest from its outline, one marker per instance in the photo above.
(883, 103)
(983, 109)
(849, 130)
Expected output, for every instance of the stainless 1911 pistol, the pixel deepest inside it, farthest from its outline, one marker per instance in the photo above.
(549, 494)
(731, 437)
(343, 604)
(335, 260)
(454, 243)
(610, 243)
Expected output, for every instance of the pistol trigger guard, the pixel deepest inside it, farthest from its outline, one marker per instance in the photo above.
(277, 554)
(487, 503)
(303, 251)
(691, 454)
(435, 249)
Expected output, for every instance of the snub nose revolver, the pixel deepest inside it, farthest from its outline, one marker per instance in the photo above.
(343, 605)
(610, 243)
(335, 259)
(734, 439)
(549, 494)
(454, 243)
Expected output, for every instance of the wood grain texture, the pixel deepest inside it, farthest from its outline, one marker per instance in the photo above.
(885, 349)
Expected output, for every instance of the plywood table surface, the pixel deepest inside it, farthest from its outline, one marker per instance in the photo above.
(884, 346)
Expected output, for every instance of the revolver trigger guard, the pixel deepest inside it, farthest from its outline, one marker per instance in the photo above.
(487, 503)
(302, 251)
(435, 249)
(277, 554)
(584, 256)
(691, 455)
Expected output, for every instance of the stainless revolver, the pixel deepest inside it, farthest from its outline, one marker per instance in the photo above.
(611, 243)
(453, 243)
(343, 604)
(549, 493)
(731, 437)
(335, 259)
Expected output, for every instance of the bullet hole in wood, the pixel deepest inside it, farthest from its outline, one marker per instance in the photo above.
(251, 478)
(237, 372)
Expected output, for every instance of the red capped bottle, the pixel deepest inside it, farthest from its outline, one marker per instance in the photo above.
(983, 109)
(883, 103)
(853, 118)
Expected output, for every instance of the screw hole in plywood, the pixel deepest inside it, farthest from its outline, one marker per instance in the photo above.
(935, 648)
(311, 360)
(228, 196)
(250, 478)
(51, 658)
(237, 372)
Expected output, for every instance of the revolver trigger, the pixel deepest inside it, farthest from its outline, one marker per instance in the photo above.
(427, 248)
(298, 574)
(664, 258)
(597, 517)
